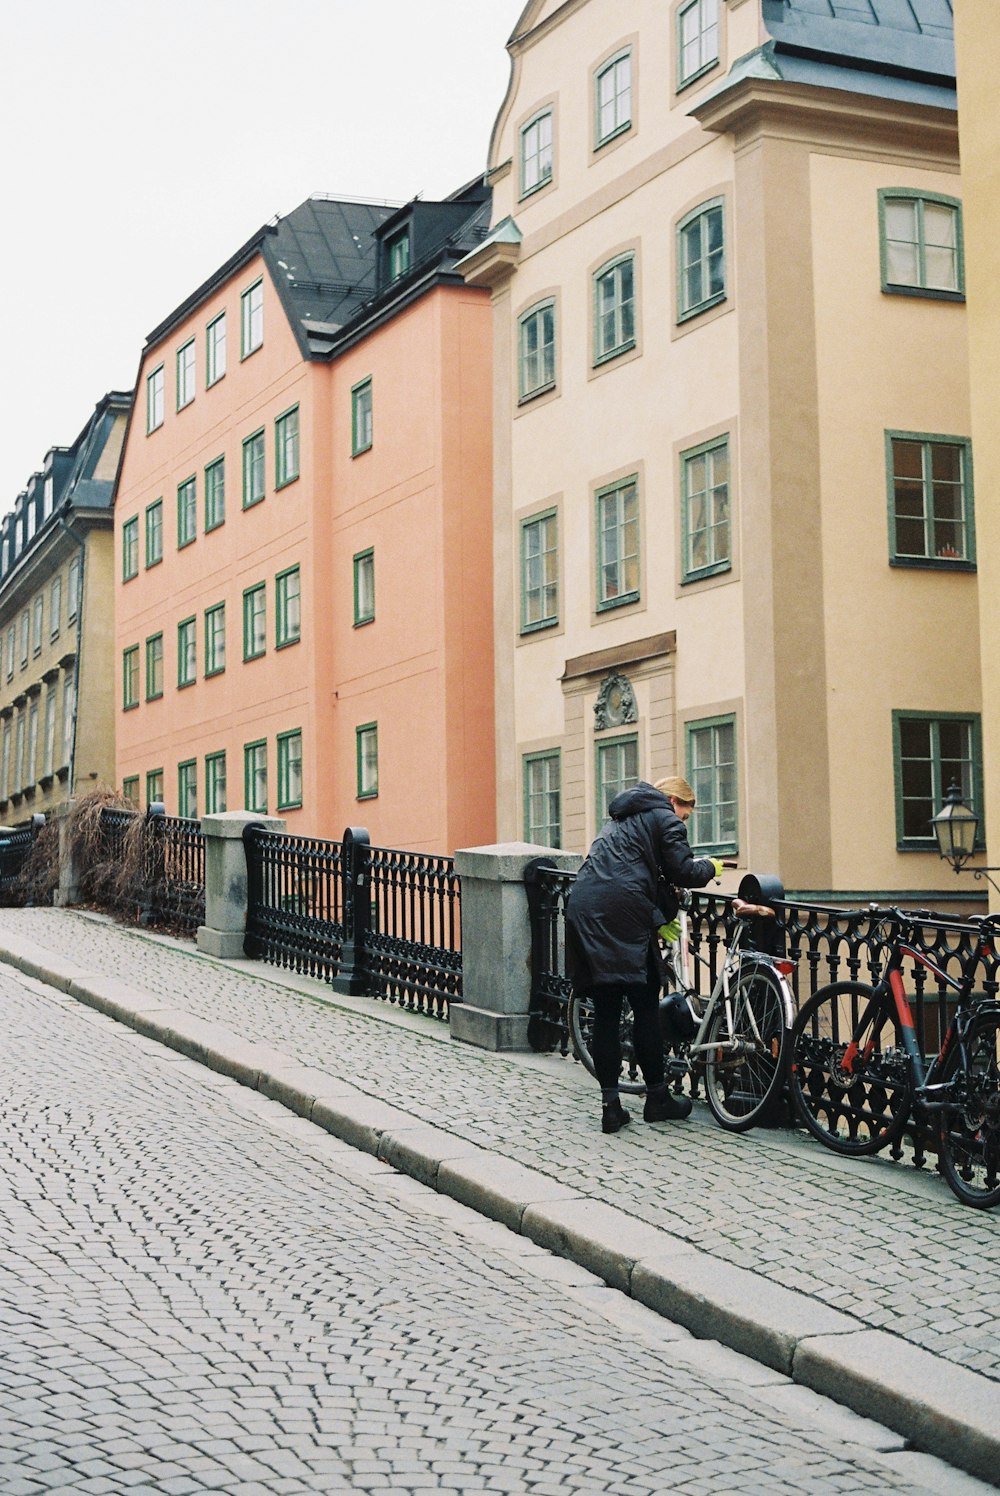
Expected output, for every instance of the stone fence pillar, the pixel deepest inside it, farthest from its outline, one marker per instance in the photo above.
(496, 943)
(225, 925)
(68, 890)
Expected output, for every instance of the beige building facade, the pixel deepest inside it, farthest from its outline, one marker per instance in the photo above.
(57, 661)
(977, 42)
(733, 484)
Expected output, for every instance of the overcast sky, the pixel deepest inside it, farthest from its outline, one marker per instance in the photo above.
(144, 140)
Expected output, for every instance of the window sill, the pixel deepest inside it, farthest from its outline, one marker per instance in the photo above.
(182, 545)
(930, 845)
(211, 383)
(183, 685)
(286, 482)
(536, 187)
(246, 353)
(927, 293)
(360, 623)
(703, 306)
(217, 525)
(527, 629)
(367, 795)
(360, 451)
(249, 659)
(287, 643)
(543, 389)
(931, 563)
(704, 572)
(612, 136)
(130, 578)
(613, 353)
(186, 405)
(609, 605)
(252, 503)
(130, 706)
(685, 83)
(149, 567)
(716, 849)
(151, 429)
(156, 696)
(221, 670)
(289, 804)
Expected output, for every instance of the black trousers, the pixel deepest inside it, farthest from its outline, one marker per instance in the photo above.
(606, 1048)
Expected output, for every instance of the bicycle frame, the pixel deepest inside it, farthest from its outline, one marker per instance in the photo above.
(891, 984)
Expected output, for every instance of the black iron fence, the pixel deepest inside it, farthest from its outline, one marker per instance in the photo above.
(153, 865)
(825, 943)
(373, 920)
(15, 847)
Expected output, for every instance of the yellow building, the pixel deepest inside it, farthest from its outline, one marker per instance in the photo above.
(977, 42)
(57, 663)
(732, 470)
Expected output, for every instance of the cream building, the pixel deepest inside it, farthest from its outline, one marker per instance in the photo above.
(57, 663)
(977, 40)
(733, 477)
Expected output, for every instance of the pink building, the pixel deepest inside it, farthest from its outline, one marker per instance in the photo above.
(302, 534)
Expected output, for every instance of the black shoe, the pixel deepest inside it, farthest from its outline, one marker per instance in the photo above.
(614, 1117)
(664, 1106)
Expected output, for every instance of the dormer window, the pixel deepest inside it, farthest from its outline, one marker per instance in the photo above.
(398, 254)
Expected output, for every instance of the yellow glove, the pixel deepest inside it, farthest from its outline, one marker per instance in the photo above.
(670, 933)
(718, 867)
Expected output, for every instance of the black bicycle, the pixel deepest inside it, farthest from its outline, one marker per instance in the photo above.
(857, 1072)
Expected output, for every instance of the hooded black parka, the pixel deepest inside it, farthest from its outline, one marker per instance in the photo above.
(610, 912)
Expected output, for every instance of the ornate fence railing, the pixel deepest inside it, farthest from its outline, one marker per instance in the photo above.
(376, 921)
(15, 845)
(295, 901)
(163, 860)
(826, 943)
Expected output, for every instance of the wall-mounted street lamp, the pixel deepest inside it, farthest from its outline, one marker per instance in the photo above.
(955, 826)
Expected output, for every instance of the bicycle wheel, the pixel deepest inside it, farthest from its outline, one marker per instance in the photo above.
(580, 1019)
(970, 1121)
(854, 1105)
(746, 1064)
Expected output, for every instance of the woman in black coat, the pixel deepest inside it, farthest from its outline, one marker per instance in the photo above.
(611, 920)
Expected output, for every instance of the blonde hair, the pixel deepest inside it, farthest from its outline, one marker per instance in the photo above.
(676, 788)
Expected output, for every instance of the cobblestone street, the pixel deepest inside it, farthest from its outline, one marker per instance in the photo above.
(199, 1292)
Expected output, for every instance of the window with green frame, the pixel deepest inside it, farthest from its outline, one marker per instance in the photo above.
(539, 571)
(215, 783)
(187, 652)
(366, 737)
(215, 639)
(154, 533)
(930, 751)
(617, 769)
(364, 587)
(701, 259)
(252, 319)
(361, 417)
(254, 622)
(255, 775)
(154, 667)
(185, 374)
(931, 520)
(154, 787)
(705, 512)
(154, 400)
(287, 608)
(286, 447)
(289, 769)
(130, 790)
(130, 677)
(543, 798)
(613, 98)
(253, 469)
(130, 548)
(537, 350)
(215, 494)
(697, 39)
(710, 758)
(187, 789)
(536, 152)
(187, 512)
(618, 544)
(397, 252)
(215, 349)
(614, 309)
(920, 240)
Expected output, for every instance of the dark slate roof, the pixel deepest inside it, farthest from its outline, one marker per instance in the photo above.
(912, 38)
(322, 258)
(82, 489)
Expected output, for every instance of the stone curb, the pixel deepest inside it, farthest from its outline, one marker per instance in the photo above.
(943, 1409)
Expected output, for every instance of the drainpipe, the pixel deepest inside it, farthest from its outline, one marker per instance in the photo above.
(79, 646)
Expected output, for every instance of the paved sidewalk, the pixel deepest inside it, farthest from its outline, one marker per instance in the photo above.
(863, 1280)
